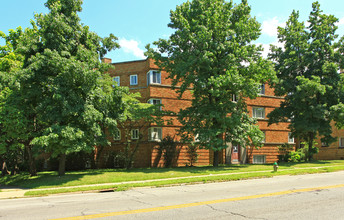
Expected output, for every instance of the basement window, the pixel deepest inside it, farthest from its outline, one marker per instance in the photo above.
(135, 134)
(259, 159)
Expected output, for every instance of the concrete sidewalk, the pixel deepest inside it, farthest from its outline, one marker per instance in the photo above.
(13, 192)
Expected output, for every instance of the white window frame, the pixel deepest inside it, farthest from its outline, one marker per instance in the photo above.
(153, 80)
(291, 139)
(155, 134)
(135, 134)
(234, 98)
(259, 159)
(196, 138)
(261, 89)
(117, 79)
(151, 101)
(117, 135)
(264, 133)
(254, 113)
(132, 83)
(341, 141)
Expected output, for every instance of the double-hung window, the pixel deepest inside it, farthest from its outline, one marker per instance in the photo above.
(290, 138)
(258, 112)
(155, 102)
(135, 134)
(117, 135)
(153, 77)
(341, 142)
(117, 79)
(234, 98)
(261, 89)
(133, 80)
(155, 134)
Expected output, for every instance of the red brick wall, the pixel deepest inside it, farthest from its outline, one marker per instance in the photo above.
(276, 134)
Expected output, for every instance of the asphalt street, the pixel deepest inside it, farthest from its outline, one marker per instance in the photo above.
(314, 196)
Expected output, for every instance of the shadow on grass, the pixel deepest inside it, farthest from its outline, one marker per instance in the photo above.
(51, 179)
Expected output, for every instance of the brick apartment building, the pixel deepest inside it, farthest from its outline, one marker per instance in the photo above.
(143, 76)
(334, 151)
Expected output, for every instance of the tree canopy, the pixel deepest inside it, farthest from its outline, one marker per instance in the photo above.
(308, 75)
(61, 78)
(211, 53)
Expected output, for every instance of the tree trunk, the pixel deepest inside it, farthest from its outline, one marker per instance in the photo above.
(4, 170)
(310, 146)
(32, 165)
(216, 159)
(62, 164)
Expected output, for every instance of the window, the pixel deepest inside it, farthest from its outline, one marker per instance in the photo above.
(117, 135)
(261, 89)
(135, 134)
(235, 149)
(341, 142)
(155, 134)
(290, 138)
(264, 134)
(258, 159)
(153, 77)
(133, 80)
(258, 112)
(324, 144)
(196, 138)
(117, 79)
(155, 102)
(234, 98)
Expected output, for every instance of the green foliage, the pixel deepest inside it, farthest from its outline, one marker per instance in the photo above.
(307, 76)
(169, 151)
(64, 99)
(211, 51)
(284, 152)
(192, 153)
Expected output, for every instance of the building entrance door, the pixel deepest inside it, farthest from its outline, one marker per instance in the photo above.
(235, 154)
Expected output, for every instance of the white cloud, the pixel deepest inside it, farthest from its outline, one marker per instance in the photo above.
(269, 27)
(341, 21)
(266, 48)
(132, 47)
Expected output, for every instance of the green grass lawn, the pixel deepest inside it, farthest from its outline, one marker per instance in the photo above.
(230, 172)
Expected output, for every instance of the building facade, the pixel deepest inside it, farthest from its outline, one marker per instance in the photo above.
(144, 77)
(334, 151)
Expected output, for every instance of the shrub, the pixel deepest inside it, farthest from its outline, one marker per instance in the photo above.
(192, 153)
(168, 148)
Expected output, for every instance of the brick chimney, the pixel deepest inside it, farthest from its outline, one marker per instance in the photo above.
(106, 60)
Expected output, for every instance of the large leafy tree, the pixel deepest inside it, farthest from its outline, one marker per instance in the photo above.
(211, 51)
(61, 77)
(16, 130)
(308, 76)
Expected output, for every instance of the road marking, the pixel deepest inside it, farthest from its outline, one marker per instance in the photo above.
(155, 209)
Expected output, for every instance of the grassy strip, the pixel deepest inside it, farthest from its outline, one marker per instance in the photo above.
(51, 179)
(205, 179)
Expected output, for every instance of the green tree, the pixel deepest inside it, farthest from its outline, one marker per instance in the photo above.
(16, 130)
(62, 72)
(137, 115)
(308, 76)
(211, 51)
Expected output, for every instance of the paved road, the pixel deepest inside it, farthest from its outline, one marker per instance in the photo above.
(315, 196)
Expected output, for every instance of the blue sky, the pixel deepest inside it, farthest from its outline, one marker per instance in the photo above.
(139, 22)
